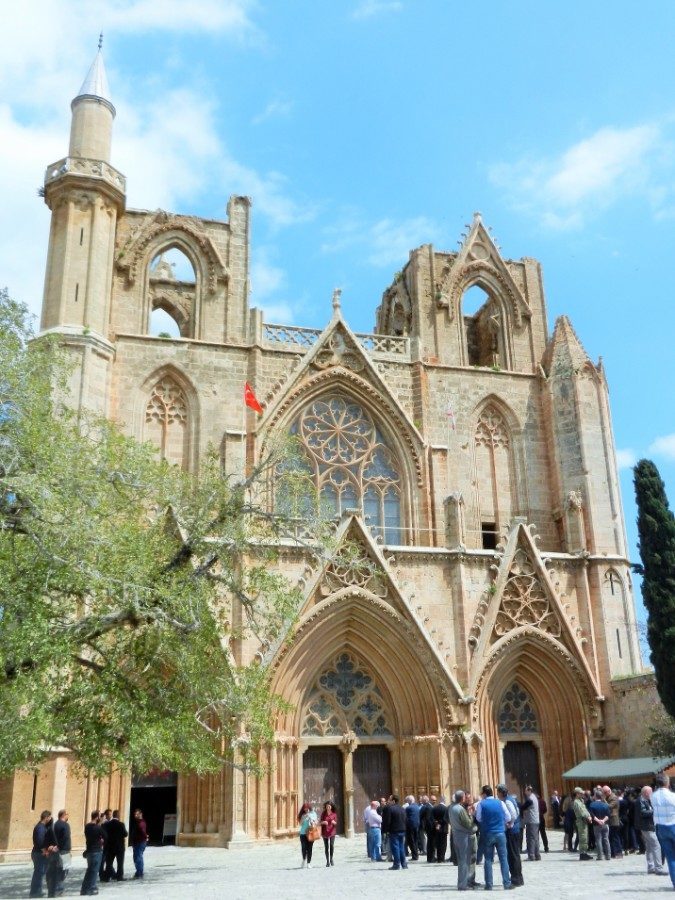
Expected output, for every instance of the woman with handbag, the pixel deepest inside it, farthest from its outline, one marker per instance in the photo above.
(310, 830)
(329, 830)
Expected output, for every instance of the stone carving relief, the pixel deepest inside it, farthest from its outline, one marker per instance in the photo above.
(524, 601)
(491, 430)
(337, 352)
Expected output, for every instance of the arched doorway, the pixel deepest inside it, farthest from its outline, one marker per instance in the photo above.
(520, 738)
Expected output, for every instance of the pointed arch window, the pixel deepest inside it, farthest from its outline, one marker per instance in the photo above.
(351, 465)
(166, 421)
(494, 474)
(345, 698)
(517, 712)
(483, 328)
(171, 294)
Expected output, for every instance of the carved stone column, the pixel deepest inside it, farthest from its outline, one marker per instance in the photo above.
(455, 533)
(348, 746)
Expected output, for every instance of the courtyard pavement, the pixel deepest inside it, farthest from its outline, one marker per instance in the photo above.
(176, 873)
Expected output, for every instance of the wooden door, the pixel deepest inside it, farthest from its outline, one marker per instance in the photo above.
(521, 767)
(322, 779)
(372, 779)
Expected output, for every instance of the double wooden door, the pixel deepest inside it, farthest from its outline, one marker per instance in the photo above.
(521, 767)
(372, 778)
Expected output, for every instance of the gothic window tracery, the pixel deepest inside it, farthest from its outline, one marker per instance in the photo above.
(166, 421)
(351, 465)
(345, 698)
(524, 601)
(517, 712)
(171, 294)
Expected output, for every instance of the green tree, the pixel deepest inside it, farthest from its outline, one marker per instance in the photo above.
(126, 585)
(656, 530)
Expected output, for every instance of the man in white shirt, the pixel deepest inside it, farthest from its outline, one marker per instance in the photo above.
(373, 822)
(663, 804)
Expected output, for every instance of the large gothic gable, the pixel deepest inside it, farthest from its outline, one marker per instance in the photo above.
(523, 599)
(479, 262)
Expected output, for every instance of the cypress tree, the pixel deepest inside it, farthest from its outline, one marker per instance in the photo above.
(656, 530)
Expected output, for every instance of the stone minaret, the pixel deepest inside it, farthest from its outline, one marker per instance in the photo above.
(86, 195)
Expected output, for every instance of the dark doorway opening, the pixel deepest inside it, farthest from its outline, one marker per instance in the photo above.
(156, 793)
(521, 767)
(322, 779)
(372, 778)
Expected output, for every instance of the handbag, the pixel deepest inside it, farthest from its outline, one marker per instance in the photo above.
(314, 833)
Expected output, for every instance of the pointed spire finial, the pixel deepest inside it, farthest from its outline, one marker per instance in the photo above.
(100, 40)
(337, 294)
(477, 216)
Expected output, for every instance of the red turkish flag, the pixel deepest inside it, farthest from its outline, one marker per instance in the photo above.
(250, 398)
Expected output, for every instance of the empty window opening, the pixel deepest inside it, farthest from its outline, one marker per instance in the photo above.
(488, 532)
(618, 643)
(172, 295)
(163, 325)
(482, 328)
(77, 291)
(34, 794)
(81, 236)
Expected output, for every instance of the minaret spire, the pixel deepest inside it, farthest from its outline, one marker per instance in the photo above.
(95, 85)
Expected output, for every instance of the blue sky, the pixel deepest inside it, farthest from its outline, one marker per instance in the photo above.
(362, 129)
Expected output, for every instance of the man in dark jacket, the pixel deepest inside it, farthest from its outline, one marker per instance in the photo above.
(58, 863)
(412, 827)
(543, 809)
(139, 841)
(115, 834)
(440, 830)
(94, 838)
(43, 839)
(644, 821)
(396, 826)
(427, 822)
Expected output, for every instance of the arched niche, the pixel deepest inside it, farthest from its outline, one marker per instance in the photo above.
(171, 294)
(167, 416)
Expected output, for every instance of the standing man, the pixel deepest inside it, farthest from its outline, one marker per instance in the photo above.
(440, 830)
(644, 820)
(106, 815)
(396, 827)
(42, 838)
(427, 820)
(373, 822)
(139, 841)
(663, 804)
(94, 839)
(582, 819)
(493, 817)
(555, 809)
(463, 830)
(612, 801)
(412, 827)
(529, 809)
(599, 812)
(63, 842)
(512, 836)
(543, 809)
(115, 834)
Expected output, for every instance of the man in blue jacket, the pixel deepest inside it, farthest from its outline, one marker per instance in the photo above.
(493, 817)
(412, 827)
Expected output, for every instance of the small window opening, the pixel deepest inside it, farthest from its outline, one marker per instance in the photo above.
(618, 643)
(77, 291)
(81, 236)
(488, 532)
(482, 328)
(163, 325)
(34, 795)
(613, 580)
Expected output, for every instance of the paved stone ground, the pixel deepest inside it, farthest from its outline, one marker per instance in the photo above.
(274, 872)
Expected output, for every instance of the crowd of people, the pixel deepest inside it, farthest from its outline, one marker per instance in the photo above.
(104, 836)
(471, 829)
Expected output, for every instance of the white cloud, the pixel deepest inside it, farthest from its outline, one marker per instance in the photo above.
(590, 175)
(369, 8)
(384, 243)
(664, 446)
(625, 458)
(275, 109)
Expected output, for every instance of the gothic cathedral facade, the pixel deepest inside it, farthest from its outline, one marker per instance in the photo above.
(468, 451)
